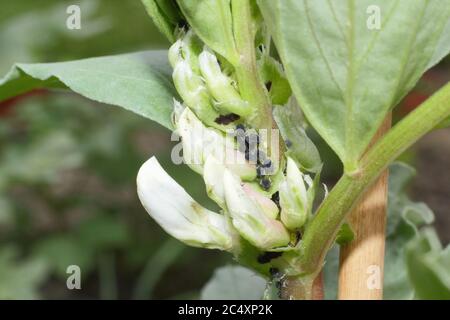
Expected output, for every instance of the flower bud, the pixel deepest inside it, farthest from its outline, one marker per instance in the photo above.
(220, 86)
(177, 213)
(194, 93)
(295, 200)
(250, 219)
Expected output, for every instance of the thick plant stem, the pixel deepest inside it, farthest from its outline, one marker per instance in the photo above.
(250, 85)
(362, 260)
(322, 231)
(303, 288)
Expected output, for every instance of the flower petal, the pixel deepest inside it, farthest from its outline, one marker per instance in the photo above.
(177, 213)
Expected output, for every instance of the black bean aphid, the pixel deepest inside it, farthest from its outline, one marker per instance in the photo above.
(240, 126)
(276, 198)
(252, 138)
(259, 172)
(298, 236)
(275, 273)
(288, 143)
(267, 163)
(266, 257)
(251, 155)
(226, 119)
(182, 24)
(268, 85)
(265, 183)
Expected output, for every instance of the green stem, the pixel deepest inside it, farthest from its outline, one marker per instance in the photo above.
(250, 85)
(322, 231)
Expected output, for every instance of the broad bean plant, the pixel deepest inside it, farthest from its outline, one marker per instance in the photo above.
(239, 85)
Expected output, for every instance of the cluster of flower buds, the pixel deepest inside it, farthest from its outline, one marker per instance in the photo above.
(265, 199)
(204, 87)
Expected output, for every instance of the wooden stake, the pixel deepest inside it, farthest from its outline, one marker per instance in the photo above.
(362, 261)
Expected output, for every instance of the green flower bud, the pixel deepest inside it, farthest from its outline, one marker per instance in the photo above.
(295, 199)
(177, 213)
(250, 219)
(228, 99)
(195, 95)
(186, 49)
(183, 56)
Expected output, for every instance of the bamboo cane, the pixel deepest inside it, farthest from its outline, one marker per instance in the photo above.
(362, 260)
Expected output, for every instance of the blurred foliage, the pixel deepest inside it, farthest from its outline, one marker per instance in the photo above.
(35, 31)
(68, 167)
(20, 279)
(68, 192)
(234, 282)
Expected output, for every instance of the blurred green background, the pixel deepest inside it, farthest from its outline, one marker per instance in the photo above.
(68, 167)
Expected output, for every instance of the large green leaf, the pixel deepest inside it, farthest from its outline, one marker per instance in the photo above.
(443, 47)
(234, 283)
(347, 76)
(139, 82)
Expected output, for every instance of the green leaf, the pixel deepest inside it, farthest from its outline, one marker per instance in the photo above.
(443, 47)
(165, 15)
(139, 82)
(429, 267)
(234, 283)
(404, 219)
(212, 22)
(272, 74)
(289, 119)
(346, 76)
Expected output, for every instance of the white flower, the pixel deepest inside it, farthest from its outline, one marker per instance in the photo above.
(177, 213)
(250, 219)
